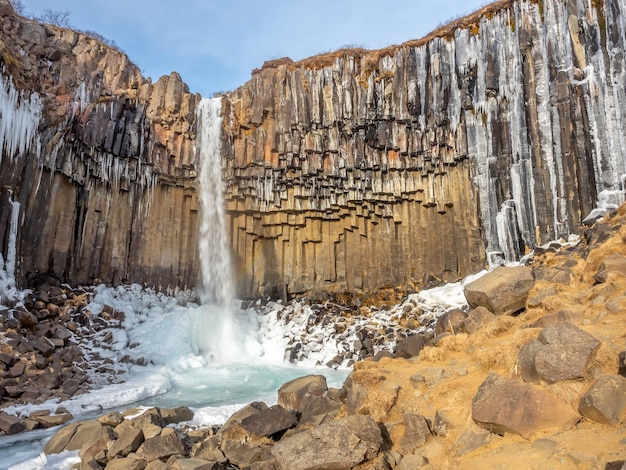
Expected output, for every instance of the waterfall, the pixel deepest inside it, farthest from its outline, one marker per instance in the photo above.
(217, 339)
(8, 290)
(216, 283)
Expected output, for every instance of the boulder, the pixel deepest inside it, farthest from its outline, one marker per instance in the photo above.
(128, 441)
(49, 421)
(476, 319)
(176, 415)
(126, 463)
(566, 353)
(341, 444)
(209, 449)
(160, 447)
(72, 437)
(450, 322)
(410, 347)
(291, 395)
(502, 291)
(244, 453)
(26, 319)
(193, 464)
(505, 405)
(10, 424)
(416, 433)
(605, 401)
(257, 420)
(318, 410)
(96, 448)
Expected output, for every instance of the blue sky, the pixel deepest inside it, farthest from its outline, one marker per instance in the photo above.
(214, 44)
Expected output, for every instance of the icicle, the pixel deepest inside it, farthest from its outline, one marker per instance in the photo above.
(19, 120)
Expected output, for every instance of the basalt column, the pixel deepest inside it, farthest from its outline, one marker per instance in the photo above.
(359, 169)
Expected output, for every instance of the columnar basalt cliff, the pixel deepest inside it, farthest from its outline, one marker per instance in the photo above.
(356, 170)
(349, 171)
(100, 160)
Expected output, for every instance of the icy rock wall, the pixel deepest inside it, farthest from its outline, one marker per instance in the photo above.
(100, 160)
(358, 170)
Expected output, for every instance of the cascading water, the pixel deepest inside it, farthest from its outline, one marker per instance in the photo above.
(217, 338)
(8, 290)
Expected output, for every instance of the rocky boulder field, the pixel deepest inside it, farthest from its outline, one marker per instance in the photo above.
(530, 375)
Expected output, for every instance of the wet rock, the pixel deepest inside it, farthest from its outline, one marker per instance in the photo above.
(502, 291)
(10, 424)
(343, 443)
(505, 405)
(50, 421)
(293, 394)
(605, 401)
(258, 420)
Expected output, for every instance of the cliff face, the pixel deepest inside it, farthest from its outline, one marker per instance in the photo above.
(100, 160)
(350, 171)
(357, 170)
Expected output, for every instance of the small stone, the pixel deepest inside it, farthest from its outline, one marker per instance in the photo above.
(472, 440)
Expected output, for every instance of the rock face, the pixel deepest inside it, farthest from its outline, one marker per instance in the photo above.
(353, 170)
(99, 159)
(359, 169)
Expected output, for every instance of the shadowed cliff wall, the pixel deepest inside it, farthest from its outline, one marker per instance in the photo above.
(100, 160)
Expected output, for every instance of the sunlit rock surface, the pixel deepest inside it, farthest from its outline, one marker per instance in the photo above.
(350, 171)
(361, 169)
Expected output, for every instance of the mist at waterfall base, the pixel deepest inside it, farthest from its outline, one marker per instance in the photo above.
(208, 355)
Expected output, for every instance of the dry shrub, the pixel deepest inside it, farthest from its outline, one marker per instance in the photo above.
(605, 360)
(498, 327)
(454, 343)
(432, 354)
